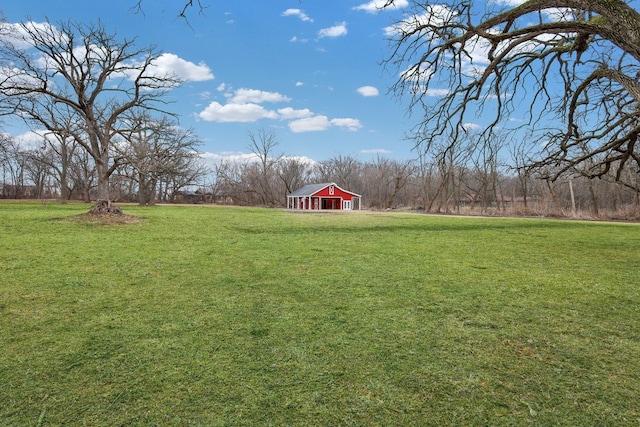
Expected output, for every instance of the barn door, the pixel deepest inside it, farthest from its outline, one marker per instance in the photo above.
(346, 205)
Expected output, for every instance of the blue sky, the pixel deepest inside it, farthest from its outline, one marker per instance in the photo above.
(308, 70)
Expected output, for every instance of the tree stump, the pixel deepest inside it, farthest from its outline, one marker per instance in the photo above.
(104, 207)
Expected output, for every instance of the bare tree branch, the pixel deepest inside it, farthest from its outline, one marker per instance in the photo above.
(574, 64)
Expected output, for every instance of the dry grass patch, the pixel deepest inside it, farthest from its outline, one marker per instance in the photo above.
(106, 219)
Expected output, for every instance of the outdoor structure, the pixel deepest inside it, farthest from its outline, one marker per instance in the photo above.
(325, 196)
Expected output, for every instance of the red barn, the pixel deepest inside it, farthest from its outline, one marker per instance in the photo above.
(325, 196)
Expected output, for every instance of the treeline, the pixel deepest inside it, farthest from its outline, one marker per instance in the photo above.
(463, 178)
(427, 186)
(477, 182)
(147, 171)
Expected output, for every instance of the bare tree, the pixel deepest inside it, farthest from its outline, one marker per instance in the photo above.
(486, 171)
(158, 149)
(519, 152)
(294, 173)
(6, 160)
(82, 174)
(573, 63)
(451, 161)
(79, 81)
(262, 145)
(57, 154)
(186, 169)
(38, 172)
(343, 170)
(230, 180)
(12, 165)
(385, 179)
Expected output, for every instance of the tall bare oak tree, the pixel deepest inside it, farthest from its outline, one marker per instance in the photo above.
(573, 64)
(80, 82)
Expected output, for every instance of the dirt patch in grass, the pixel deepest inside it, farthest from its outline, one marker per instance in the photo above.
(107, 219)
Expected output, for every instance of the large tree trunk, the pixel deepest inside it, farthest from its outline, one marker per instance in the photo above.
(103, 204)
(105, 207)
(103, 180)
(142, 190)
(152, 195)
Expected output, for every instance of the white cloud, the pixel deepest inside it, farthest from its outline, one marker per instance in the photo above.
(238, 157)
(18, 37)
(171, 64)
(338, 30)
(310, 124)
(349, 124)
(228, 156)
(321, 123)
(228, 113)
(289, 113)
(298, 84)
(470, 126)
(244, 95)
(419, 77)
(31, 140)
(368, 91)
(299, 13)
(302, 159)
(375, 151)
(437, 92)
(18, 77)
(435, 15)
(375, 6)
(243, 105)
(166, 64)
(295, 39)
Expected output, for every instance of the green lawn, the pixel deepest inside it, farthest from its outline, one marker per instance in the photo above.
(239, 316)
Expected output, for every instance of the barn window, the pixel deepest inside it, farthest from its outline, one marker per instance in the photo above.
(331, 190)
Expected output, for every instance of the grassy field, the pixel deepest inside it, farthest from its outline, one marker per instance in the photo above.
(240, 316)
